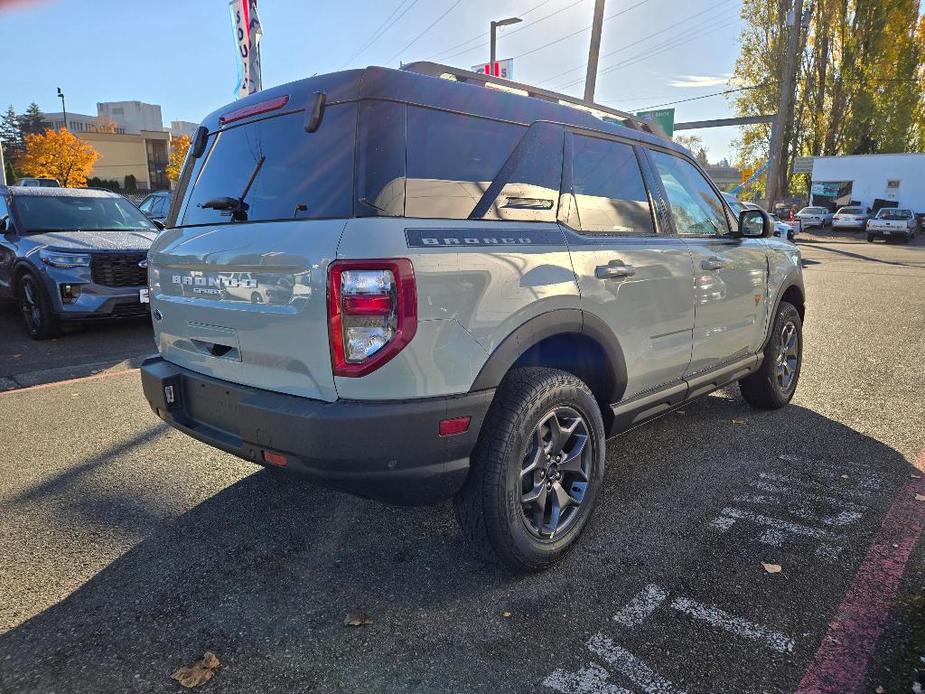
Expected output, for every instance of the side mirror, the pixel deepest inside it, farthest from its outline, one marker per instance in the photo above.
(754, 224)
(4, 224)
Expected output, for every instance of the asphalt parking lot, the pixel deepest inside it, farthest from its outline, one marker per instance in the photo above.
(129, 549)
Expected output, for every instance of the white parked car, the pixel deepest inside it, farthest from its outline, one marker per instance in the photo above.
(814, 217)
(892, 223)
(851, 218)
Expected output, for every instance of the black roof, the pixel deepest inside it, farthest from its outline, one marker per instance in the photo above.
(51, 192)
(426, 90)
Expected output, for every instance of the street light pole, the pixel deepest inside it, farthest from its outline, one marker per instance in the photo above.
(494, 41)
(63, 107)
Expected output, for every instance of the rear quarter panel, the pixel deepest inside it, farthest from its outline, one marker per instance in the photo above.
(476, 283)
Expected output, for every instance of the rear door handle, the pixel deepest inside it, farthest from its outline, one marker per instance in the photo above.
(713, 264)
(613, 270)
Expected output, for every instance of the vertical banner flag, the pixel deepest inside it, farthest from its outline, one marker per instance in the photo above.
(247, 35)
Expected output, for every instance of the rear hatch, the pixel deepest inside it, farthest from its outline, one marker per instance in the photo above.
(238, 280)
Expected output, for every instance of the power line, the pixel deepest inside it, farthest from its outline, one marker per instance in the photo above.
(429, 27)
(482, 34)
(581, 31)
(708, 96)
(637, 42)
(514, 31)
(380, 32)
(650, 53)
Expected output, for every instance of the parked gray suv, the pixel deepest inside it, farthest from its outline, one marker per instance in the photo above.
(464, 293)
(72, 254)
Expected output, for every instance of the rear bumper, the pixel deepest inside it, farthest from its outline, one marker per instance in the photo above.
(889, 233)
(386, 450)
(845, 224)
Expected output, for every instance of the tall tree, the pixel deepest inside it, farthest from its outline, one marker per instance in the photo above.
(32, 122)
(860, 83)
(11, 133)
(61, 155)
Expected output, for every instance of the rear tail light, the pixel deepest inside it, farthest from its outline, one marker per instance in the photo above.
(372, 313)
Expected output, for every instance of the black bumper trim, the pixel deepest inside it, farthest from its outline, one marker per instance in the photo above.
(386, 450)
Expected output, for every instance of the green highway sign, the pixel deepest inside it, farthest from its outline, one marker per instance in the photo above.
(663, 118)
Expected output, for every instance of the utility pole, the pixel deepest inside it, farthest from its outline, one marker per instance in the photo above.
(595, 50)
(784, 106)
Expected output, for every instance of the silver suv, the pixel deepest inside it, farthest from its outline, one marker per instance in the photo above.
(415, 289)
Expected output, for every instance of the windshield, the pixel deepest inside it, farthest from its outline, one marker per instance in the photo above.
(851, 210)
(894, 214)
(39, 213)
(812, 210)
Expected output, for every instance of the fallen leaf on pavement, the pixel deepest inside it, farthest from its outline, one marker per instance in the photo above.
(772, 568)
(915, 477)
(880, 690)
(357, 619)
(844, 477)
(920, 497)
(197, 673)
(739, 421)
(506, 614)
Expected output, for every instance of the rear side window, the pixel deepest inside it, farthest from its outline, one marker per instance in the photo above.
(452, 159)
(302, 175)
(609, 191)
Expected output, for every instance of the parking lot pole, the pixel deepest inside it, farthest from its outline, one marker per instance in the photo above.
(2, 166)
(595, 50)
(772, 190)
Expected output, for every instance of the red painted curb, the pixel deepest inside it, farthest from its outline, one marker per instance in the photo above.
(841, 660)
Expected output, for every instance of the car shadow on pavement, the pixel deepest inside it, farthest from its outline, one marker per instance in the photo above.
(264, 572)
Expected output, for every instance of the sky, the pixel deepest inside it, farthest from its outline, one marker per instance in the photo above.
(180, 53)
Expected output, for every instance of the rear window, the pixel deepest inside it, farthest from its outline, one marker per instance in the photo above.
(851, 210)
(887, 213)
(302, 175)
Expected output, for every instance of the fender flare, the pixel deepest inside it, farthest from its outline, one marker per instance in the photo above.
(558, 322)
(794, 279)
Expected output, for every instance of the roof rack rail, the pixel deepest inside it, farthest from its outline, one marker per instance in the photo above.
(598, 110)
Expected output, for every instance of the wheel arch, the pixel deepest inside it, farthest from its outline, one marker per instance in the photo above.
(567, 339)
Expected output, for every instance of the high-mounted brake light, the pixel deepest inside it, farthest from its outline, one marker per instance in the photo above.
(254, 109)
(372, 313)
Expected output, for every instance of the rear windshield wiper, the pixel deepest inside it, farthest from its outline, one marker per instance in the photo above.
(236, 206)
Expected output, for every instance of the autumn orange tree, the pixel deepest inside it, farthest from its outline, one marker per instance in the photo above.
(58, 154)
(179, 146)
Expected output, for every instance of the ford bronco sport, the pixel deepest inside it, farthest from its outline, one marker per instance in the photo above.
(415, 289)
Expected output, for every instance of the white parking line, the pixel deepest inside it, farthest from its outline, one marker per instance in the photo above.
(630, 666)
(819, 486)
(797, 495)
(589, 680)
(734, 625)
(637, 610)
(776, 530)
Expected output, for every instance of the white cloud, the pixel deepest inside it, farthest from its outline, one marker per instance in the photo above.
(695, 81)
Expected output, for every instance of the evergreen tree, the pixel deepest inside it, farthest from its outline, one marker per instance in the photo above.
(32, 122)
(11, 134)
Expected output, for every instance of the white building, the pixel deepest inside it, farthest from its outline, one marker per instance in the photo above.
(871, 180)
(76, 122)
(133, 116)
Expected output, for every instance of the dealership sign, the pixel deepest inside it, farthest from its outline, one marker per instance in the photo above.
(502, 68)
(247, 35)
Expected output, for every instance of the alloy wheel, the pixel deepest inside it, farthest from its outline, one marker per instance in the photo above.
(31, 309)
(787, 356)
(555, 472)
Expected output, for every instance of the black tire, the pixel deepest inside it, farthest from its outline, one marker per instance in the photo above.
(772, 386)
(35, 308)
(511, 454)
(870, 238)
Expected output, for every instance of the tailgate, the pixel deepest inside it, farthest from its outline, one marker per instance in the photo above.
(247, 303)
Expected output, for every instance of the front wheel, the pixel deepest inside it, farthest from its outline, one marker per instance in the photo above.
(772, 386)
(870, 238)
(536, 470)
(35, 308)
